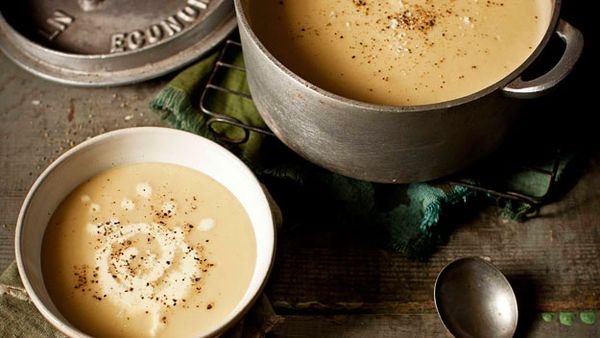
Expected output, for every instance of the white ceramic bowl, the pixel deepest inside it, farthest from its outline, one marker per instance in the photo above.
(134, 145)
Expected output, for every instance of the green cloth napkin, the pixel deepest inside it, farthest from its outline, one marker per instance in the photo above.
(412, 219)
(18, 317)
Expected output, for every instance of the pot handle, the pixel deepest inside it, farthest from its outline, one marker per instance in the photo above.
(573, 40)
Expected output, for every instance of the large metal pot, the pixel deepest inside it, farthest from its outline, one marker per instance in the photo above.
(392, 143)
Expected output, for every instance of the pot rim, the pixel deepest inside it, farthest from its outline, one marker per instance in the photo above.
(243, 23)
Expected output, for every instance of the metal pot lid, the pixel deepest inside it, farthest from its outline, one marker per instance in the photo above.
(110, 42)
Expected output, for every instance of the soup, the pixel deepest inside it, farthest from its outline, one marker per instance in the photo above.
(400, 52)
(148, 250)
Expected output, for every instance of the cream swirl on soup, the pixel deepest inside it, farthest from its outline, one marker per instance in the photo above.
(143, 279)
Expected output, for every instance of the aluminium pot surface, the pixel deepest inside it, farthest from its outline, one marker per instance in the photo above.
(107, 42)
(393, 144)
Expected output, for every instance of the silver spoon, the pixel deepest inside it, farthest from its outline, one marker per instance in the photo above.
(474, 299)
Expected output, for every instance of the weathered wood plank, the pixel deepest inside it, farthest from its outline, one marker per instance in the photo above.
(6, 245)
(39, 120)
(423, 325)
(554, 258)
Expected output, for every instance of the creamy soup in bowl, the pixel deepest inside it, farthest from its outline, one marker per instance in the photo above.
(145, 232)
(401, 52)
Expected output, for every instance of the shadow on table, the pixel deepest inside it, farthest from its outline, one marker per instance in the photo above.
(527, 299)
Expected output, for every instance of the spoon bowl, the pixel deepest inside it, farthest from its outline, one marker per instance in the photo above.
(474, 299)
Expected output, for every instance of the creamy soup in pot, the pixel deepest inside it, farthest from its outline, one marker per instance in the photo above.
(148, 250)
(401, 52)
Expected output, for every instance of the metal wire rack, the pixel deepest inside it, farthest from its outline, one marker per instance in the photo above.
(532, 203)
(220, 117)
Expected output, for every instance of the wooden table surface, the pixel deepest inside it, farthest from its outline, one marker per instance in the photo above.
(327, 282)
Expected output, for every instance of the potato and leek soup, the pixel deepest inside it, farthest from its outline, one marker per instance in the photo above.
(400, 52)
(148, 250)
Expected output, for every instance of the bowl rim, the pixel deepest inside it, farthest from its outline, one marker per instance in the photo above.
(69, 329)
(245, 27)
